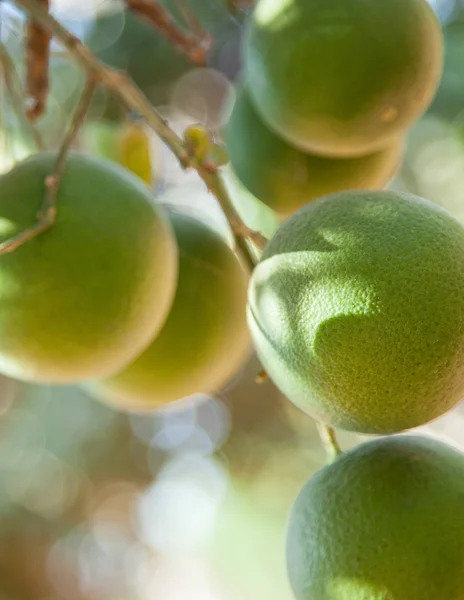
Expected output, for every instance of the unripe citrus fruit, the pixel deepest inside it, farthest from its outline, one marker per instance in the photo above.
(286, 178)
(384, 522)
(254, 213)
(100, 138)
(342, 77)
(127, 144)
(205, 339)
(84, 298)
(357, 310)
(133, 150)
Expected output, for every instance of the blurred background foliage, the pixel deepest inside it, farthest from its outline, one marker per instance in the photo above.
(188, 503)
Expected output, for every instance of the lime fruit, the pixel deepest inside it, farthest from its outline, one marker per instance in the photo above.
(286, 178)
(254, 213)
(126, 143)
(384, 522)
(205, 339)
(82, 299)
(342, 77)
(100, 138)
(357, 310)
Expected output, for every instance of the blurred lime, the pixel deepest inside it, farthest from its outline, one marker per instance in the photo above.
(99, 138)
(286, 178)
(134, 150)
(125, 143)
(84, 298)
(342, 77)
(205, 339)
(255, 214)
(382, 522)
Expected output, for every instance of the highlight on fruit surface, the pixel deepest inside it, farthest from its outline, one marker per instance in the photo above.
(84, 298)
(286, 178)
(342, 77)
(383, 521)
(357, 310)
(205, 339)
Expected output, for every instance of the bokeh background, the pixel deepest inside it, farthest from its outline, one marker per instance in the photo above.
(188, 503)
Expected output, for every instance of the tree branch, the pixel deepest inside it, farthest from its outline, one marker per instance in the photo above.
(329, 441)
(238, 5)
(46, 216)
(18, 101)
(193, 46)
(134, 99)
(37, 63)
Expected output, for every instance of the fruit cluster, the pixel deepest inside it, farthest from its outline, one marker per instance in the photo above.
(330, 89)
(144, 304)
(356, 308)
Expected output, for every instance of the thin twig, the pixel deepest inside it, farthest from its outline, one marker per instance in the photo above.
(46, 216)
(134, 99)
(37, 64)
(191, 19)
(216, 185)
(18, 101)
(235, 6)
(193, 46)
(329, 441)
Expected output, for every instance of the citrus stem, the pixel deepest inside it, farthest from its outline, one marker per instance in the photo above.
(17, 98)
(195, 44)
(329, 441)
(46, 216)
(134, 99)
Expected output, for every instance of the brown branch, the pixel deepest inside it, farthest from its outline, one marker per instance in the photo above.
(18, 101)
(235, 6)
(37, 63)
(329, 441)
(193, 46)
(134, 99)
(190, 19)
(216, 185)
(46, 216)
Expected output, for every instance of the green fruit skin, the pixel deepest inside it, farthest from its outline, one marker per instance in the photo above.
(84, 298)
(254, 213)
(357, 310)
(205, 339)
(285, 178)
(384, 522)
(102, 139)
(342, 78)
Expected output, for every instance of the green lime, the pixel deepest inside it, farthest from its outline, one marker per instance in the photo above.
(384, 522)
(205, 339)
(342, 77)
(286, 178)
(357, 310)
(82, 299)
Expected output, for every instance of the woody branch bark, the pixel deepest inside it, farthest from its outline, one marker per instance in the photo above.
(16, 96)
(37, 63)
(195, 46)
